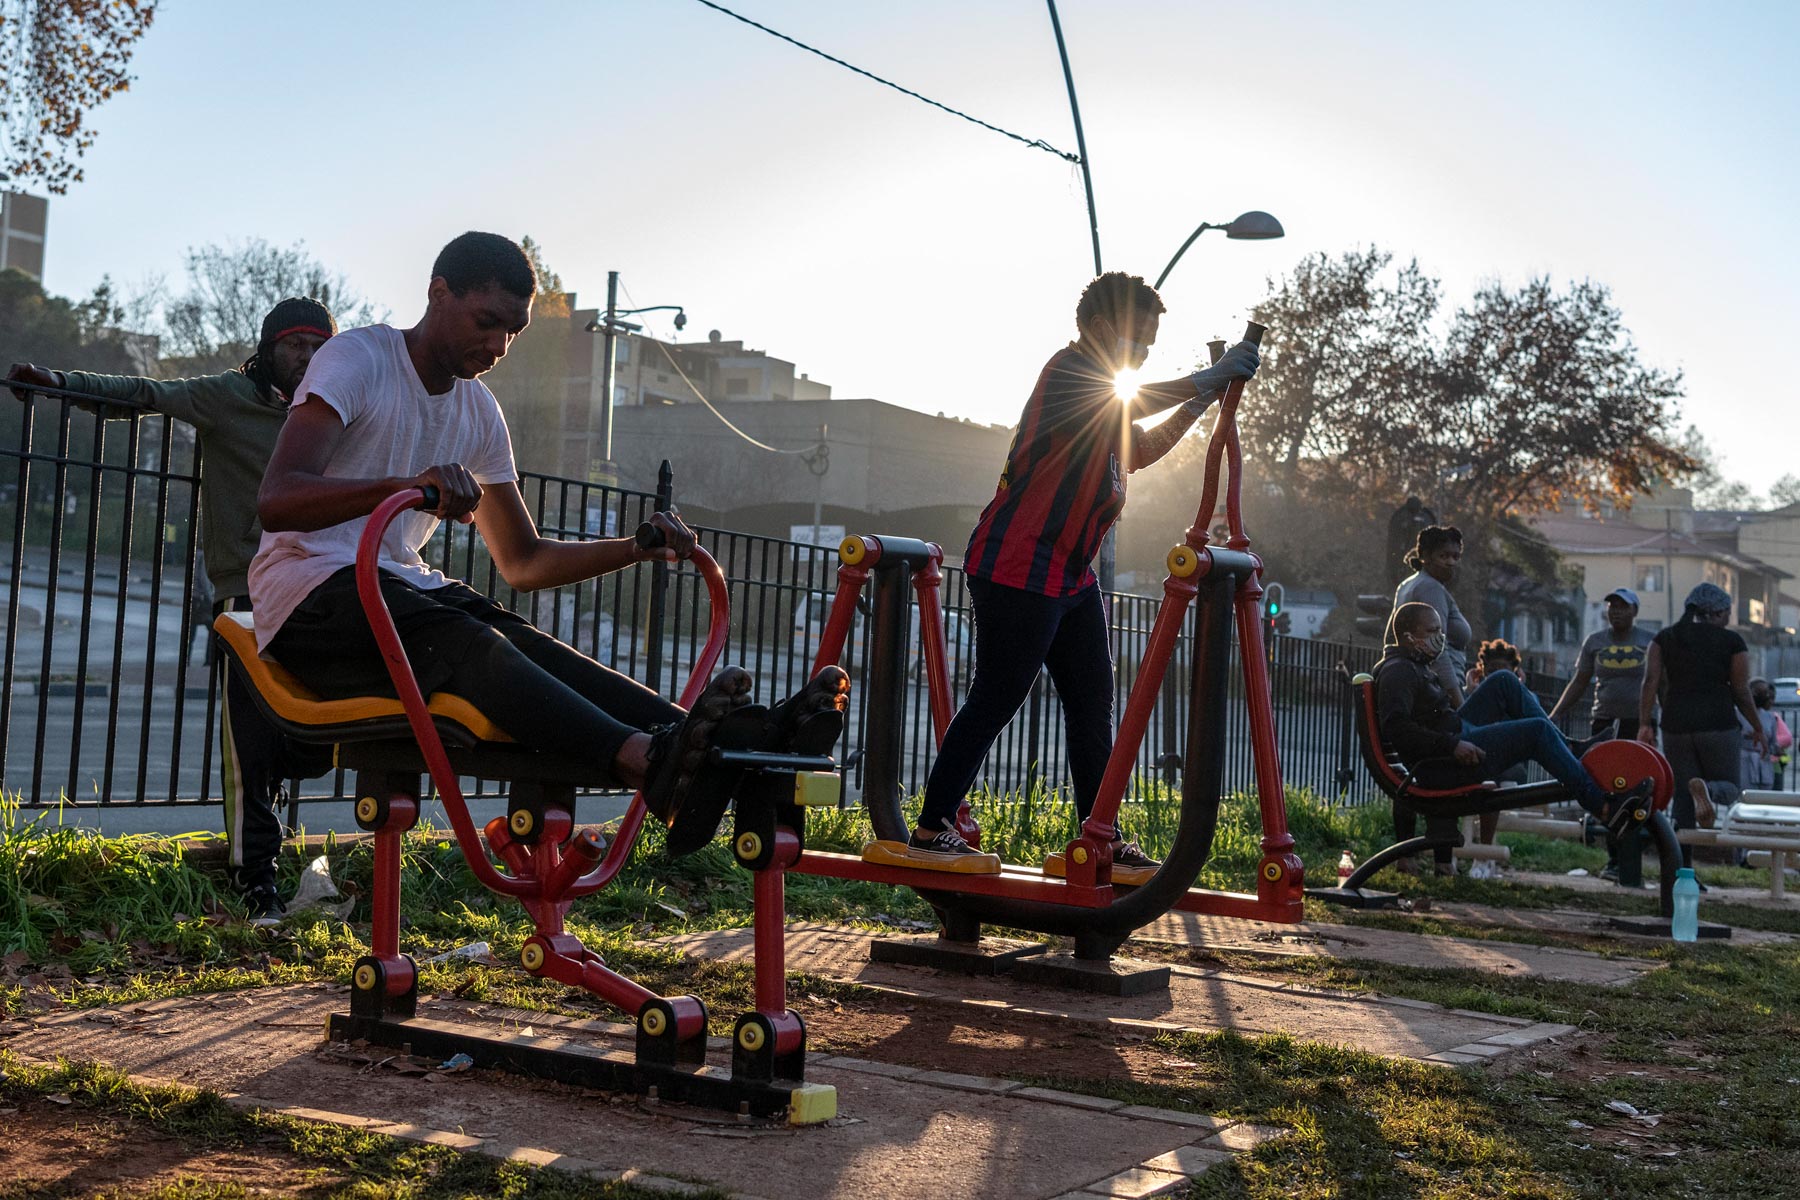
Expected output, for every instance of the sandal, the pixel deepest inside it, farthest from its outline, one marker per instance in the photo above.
(812, 720)
(678, 751)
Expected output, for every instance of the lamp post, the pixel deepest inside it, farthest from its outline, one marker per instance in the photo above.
(610, 326)
(1251, 226)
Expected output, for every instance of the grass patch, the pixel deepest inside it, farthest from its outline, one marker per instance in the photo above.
(349, 1164)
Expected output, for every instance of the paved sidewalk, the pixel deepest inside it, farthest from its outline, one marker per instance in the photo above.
(901, 1131)
(1325, 939)
(1197, 1000)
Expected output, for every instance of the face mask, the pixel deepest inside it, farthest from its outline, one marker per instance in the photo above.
(1430, 648)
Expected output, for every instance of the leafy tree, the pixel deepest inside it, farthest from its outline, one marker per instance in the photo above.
(58, 60)
(1522, 401)
(214, 324)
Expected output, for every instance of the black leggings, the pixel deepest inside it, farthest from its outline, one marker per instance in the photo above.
(547, 696)
(1017, 634)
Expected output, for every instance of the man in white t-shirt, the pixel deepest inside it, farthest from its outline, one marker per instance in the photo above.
(382, 409)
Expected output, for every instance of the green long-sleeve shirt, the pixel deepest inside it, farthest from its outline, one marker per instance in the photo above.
(237, 426)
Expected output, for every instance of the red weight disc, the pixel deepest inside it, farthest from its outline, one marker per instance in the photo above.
(1619, 764)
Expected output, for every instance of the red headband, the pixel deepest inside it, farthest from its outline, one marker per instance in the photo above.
(324, 333)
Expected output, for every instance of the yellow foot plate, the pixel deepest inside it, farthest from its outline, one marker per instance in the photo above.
(1127, 876)
(899, 854)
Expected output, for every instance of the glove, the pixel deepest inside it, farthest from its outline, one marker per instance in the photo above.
(1239, 362)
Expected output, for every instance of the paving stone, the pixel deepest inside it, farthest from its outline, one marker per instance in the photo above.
(1549, 1030)
(1138, 1182)
(1514, 1039)
(1171, 1116)
(967, 1083)
(1242, 1137)
(1452, 1058)
(661, 1183)
(1189, 1160)
(530, 1155)
(1403, 1002)
(1072, 1099)
(436, 1137)
(1480, 1050)
(866, 1067)
(1521, 1022)
(317, 1114)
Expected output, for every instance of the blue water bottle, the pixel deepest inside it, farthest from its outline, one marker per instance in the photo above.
(1685, 926)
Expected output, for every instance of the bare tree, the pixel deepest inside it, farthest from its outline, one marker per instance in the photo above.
(58, 60)
(214, 324)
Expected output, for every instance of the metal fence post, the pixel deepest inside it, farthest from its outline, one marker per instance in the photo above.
(659, 582)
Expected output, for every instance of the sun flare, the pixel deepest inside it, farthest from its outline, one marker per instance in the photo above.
(1125, 384)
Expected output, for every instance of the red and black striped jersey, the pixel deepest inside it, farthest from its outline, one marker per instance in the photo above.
(1063, 485)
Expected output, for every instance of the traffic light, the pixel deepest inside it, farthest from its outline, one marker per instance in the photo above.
(1375, 624)
(1275, 620)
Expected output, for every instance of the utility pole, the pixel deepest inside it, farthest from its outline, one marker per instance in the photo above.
(822, 456)
(608, 360)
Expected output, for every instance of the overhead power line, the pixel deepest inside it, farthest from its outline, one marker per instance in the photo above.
(1037, 143)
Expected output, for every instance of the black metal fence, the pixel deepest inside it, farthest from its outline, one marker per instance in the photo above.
(107, 695)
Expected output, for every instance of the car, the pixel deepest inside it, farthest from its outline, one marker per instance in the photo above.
(1787, 691)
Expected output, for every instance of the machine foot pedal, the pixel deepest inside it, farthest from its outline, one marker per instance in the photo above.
(1055, 865)
(898, 854)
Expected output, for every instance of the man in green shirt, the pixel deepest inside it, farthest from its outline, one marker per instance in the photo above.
(237, 414)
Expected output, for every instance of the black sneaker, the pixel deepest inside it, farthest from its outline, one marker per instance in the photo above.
(1610, 872)
(1131, 855)
(264, 907)
(947, 842)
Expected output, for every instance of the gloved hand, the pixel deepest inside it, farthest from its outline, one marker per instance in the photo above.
(1239, 362)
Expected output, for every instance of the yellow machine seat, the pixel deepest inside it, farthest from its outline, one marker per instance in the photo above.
(300, 712)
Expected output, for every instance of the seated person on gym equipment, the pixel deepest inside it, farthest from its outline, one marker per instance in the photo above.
(1029, 562)
(1500, 724)
(383, 409)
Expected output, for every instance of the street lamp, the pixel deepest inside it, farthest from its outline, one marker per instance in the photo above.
(610, 326)
(1251, 226)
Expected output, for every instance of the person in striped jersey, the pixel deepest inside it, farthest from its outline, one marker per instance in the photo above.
(1030, 559)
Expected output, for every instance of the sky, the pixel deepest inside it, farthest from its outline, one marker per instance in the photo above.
(892, 250)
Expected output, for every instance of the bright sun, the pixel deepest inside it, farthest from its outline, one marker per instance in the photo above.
(1125, 384)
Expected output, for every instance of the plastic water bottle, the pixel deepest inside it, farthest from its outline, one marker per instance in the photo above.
(1685, 926)
(1346, 865)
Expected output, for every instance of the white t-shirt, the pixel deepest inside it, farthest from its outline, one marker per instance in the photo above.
(392, 426)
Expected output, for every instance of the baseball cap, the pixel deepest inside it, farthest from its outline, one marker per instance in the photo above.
(1625, 594)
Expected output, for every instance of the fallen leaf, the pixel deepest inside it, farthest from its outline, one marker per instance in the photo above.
(58, 1098)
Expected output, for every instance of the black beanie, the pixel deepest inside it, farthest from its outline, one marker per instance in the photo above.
(295, 315)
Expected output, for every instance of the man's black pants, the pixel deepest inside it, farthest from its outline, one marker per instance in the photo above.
(546, 695)
(1018, 633)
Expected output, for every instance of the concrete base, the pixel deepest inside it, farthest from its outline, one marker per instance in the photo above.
(989, 956)
(1113, 977)
(1658, 927)
(1355, 897)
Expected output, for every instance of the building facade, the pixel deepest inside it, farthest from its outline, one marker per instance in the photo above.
(24, 225)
